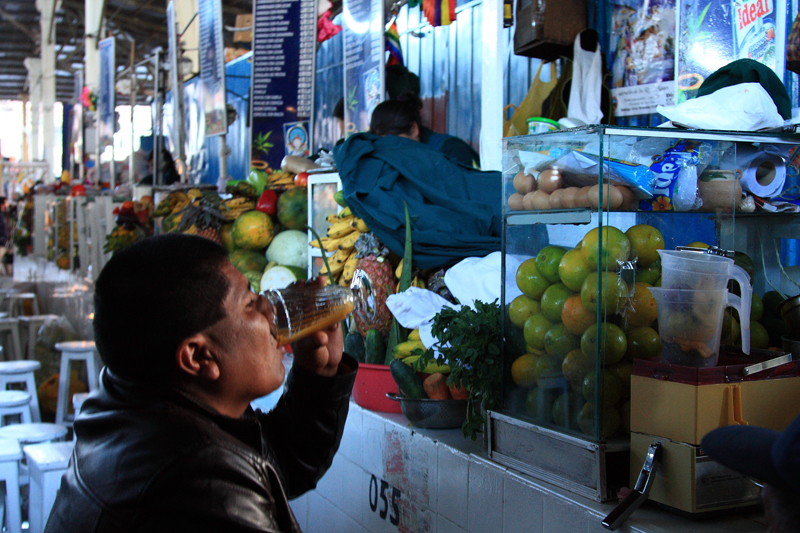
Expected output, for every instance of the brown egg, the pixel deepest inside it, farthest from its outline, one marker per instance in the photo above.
(549, 180)
(582, 197)
(515, 202)
(556, 201)
(540, 200)
(628, 199)
(526, 201)
(612, 198)
(524, 183)
(568, 197)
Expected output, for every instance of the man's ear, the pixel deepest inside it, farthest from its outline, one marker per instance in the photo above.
(195, 357)
(415, 131)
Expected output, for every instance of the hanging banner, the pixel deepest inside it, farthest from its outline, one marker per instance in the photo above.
(106, 93)
(714, 33)
(212, 66)
(284, 45)
(643, 34)
(363, 62)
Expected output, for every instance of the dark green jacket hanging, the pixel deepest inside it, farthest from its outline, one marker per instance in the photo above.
(455, 211)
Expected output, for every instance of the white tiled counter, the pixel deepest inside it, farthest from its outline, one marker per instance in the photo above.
(391, 477)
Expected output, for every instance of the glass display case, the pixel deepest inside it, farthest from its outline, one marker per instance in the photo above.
(321, 188)
(586, 211)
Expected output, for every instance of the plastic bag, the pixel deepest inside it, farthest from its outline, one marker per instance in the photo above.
(531, 105)
(742, 107)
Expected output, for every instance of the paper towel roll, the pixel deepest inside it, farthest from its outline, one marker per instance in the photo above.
(764, 176)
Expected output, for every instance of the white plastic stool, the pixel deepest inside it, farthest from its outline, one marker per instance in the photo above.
(22, 372)
(11, 326)
(15, 403)
(47, 462)
(10, 456)
(74, 351)
(14, 305)
(30, 326)
(33, 433)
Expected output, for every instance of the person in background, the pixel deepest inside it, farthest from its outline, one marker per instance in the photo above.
(168, 171)
(402, 117)
(170, 443)
(769, 457)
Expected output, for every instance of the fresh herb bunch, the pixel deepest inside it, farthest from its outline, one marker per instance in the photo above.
(469, 341)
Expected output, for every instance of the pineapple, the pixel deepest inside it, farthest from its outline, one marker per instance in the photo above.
(373, 260)
(203, 217)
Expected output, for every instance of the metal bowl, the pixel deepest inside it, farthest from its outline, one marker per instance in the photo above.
(433, 414)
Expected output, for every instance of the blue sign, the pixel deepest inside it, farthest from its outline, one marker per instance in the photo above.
(284, 44)
(106, 93)
(212, 66)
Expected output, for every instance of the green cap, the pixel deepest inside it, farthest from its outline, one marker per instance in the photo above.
(749, 71)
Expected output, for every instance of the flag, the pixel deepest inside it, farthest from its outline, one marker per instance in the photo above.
(392, 40)
(439, 12)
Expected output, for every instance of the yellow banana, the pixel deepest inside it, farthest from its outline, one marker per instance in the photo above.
(335, 268)
(404, 349)
(343, 281)
(332, 219)
(331, 245)
(399, 270)
(339, 256)
(431, 368)
(344, 213)
(349, 240)
(350, 266)
(340, 229)
(239, 201)
(414, 335)
(417, 282)
(361, 225)
(314, 243)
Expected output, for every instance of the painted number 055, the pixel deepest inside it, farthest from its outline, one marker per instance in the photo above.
(375, 494)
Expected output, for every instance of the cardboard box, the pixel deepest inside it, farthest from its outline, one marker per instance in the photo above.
(547, 30)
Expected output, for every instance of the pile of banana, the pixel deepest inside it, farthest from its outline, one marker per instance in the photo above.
(343, 232)
(280, 179)
(416, 281)
(172, 203)
(233, 207)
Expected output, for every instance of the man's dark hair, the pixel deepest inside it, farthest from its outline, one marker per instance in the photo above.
(338, 110)
(396, 117)
(151, 296)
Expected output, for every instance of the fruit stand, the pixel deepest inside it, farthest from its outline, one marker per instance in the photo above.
(583, 251)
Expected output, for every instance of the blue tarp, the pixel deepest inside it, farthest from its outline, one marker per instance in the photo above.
(454, 210)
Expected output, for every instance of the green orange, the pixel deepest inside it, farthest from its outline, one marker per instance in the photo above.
(609, 421)
(645, 240)
(572, 270)
(605, 252)
(521, 308)
(575, 366)
(534, 330)
(643, 343)
(523, 370)
(640, 309)
(611, 388)
(547, 261)
(553, 300)
(608, 340)
(530, 281)
(607, 291)
(558, 342)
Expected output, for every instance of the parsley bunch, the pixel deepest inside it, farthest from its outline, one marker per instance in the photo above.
(469, 340)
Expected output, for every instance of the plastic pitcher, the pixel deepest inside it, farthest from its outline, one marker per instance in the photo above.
(699, 271)
(690, 324)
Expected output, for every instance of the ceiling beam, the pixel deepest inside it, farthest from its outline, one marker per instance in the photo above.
(14, 22)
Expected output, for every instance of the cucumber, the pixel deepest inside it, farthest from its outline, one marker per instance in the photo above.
(374, 349)
(354, 345)
(407, 380)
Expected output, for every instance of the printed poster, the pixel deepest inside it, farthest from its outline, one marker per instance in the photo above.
(714, 33)
(643, 34)
(363, 62)
(212, 67)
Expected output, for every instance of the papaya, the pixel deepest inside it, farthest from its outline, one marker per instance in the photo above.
(374, 348)
(408, 382)
(436, 387)
(354, 345)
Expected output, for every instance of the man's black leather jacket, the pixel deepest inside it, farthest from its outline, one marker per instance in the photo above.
(151, 460)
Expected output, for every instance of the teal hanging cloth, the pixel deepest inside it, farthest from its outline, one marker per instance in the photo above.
(455, 210)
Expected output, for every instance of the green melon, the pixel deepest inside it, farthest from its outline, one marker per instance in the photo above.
(252, 230)
(293, 208)
(248, 261)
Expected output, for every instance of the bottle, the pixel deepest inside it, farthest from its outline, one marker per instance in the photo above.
(300, 310)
